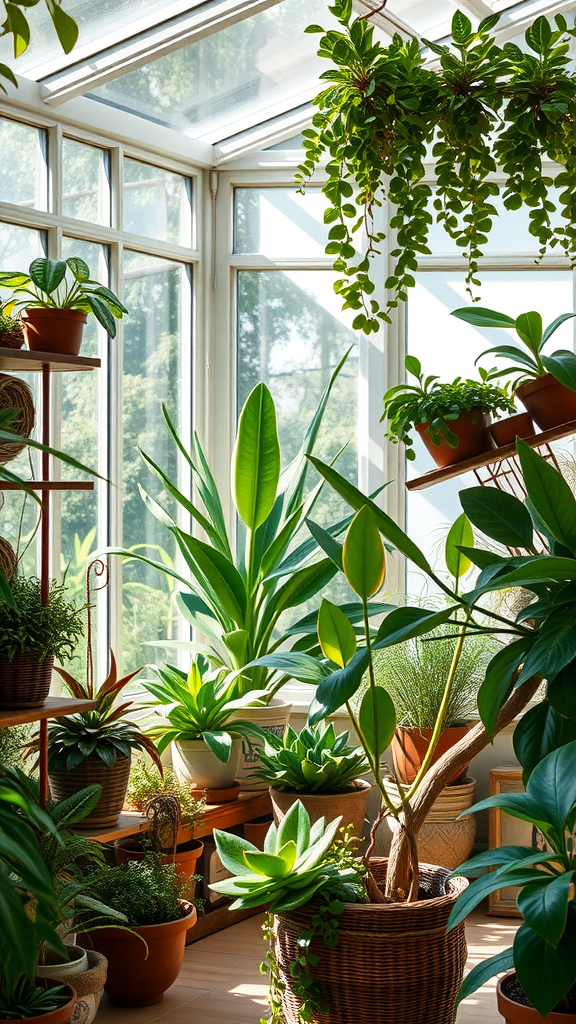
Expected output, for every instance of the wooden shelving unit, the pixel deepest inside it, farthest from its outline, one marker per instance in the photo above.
(53, 707)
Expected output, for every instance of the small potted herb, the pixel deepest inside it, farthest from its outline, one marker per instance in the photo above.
(32, 634)
(452, 419)
(57, 297)
(318, 768)
(145, 960)
(145, 783)
(545, 384)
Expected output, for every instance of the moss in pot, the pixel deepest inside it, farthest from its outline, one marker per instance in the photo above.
(452, 419)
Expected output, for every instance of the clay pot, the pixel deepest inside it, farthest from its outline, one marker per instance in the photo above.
(255, 831)
(506, 431)
(409, 748)
(54, 330)
(272, 718)
(350, 805)
(515, 1013)
(113, 779)
(473, 439)
(134, 979)
(549, 402)
(443, 839)
(60, 1016)
(185, 858)
(25, 681)
(86, 975)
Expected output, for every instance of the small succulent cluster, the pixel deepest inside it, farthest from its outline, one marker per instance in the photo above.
(314, 761)
(11, 333)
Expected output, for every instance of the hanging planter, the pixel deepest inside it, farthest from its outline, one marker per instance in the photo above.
(15, 394)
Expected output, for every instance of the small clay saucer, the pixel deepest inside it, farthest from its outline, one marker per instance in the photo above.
(219, 796)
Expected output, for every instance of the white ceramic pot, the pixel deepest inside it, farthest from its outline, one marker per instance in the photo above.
(55, 967)
(195, 764)
(443, 839)
(273, 719)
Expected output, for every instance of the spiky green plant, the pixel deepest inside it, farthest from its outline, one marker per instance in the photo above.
(315, 760)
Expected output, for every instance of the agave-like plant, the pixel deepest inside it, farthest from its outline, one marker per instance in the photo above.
(315, 760)
(293, 866)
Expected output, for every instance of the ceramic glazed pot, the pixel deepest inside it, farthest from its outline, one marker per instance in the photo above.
(25, 681)
(443, 839)
(113, 779)
(88, 981)
(473, 439)
(185, 858)
(351, 805)
(506, 431)
(54, 330)
(55, 967)
(133, 979)
(273, 718)
(60, 1016)
(255, 831)
(549, 402)
(394, 962)
(515, 1013)
(196, 765)
(409, 748)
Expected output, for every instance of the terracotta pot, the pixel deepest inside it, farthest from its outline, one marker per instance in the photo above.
(473, 439)
(273, 719)
(515, 1013)
(134, 979)
(60, 1016)
(394, 962)
(186, 857)
(350, 805)
(506, 431)
(409, 748)
(88, 981)
(255, 831)
(54, 330)
(444, 838)
(25, 681)
(196, 765)
(113, 779)
(549, 402)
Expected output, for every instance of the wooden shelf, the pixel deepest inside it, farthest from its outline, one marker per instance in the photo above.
(490, 458)
(21, 359)
(49, 485)
(52, 708)
(129, 824)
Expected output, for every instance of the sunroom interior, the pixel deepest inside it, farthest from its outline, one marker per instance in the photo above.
(178, 530)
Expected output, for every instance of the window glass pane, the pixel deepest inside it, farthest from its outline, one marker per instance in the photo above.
(157, 293)
(23, 178)
(448, 347)
(509, 233)
(85, 182)
(280, 222)
(156, 203)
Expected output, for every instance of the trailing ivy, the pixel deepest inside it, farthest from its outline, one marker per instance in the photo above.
(483, 106)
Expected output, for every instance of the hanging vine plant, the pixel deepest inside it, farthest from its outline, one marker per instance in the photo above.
(482, 107)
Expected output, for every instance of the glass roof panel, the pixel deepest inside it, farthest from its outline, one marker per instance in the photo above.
(249, 71)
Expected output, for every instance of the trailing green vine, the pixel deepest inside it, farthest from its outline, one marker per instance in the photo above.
(385, 111)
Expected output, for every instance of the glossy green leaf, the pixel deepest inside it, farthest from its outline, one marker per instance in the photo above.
(480, 317)
(336, 634)
(550, 330)
(231, 849)
(363, 556)
(549, 494)
(562, 366)
(499, 515)
(220, 743)
(553, 781)
(545, 973)
(561, 691)
(256, 459)
(460, 534)
(407, 623)
(47, 274)
(334, 691)
(377, 720)
(529, 329)
(485, 970)
(544, 906)
(555, 646)
(267, 864)
(498, 681)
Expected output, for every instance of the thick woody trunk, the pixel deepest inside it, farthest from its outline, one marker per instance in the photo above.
(399, 879)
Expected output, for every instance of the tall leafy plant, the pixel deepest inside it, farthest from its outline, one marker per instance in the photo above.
(483, 106)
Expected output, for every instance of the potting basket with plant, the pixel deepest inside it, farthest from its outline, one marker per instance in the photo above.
(16, 395)
(410, 904)
(55, 298)
(452, 419)
(32, 635)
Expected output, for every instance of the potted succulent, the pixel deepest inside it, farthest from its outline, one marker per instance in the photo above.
(57, 296)
(144, 959)
(452, 419)
(164, 814)
(198, 723)
(545, 384)
(95, 746)
(32, 634)
(318, 768)
(543, 985)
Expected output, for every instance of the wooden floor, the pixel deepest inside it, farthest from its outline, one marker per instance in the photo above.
(220, 982)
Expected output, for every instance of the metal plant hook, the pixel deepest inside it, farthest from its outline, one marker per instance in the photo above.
(95, 569)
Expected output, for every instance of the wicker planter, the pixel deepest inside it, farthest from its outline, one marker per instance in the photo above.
(25, 681)
(113, 779)
(54, 330)
(348, 805)
(516, 1013)
(473, 439)
(394, 962)
(87, 978)
(444, 838)
(60, 1016)
(410, 744)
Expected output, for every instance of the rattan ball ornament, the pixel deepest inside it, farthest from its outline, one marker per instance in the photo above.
(15, 394)
(8, 559)
(11, 332)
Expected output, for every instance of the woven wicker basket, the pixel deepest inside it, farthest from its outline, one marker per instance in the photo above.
(8, 558)
(15, 394)
(25, 681)
(113, 779)
(394, 962)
